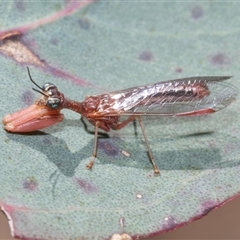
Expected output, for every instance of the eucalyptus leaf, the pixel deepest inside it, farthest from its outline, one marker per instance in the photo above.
(46, 190)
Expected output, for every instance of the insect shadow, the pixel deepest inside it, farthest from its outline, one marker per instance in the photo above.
(110, 152)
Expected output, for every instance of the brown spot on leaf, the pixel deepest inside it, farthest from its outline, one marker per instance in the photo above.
(108, 147)
(20, 5)
(15, 49)
(197, 12)
(170, 223)
(8, 34)
(178, 70)
(145, 56)
(84, 23)
(85, 185)
(30, 184)
(27, 97)
(220, 59)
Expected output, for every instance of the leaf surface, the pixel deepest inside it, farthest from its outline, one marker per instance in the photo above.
(94, 47)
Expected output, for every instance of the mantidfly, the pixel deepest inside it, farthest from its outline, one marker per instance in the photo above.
(181, 97)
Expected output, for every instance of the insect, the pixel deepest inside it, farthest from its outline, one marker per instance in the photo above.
(181, 97)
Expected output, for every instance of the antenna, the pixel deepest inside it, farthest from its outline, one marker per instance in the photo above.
(34, 89)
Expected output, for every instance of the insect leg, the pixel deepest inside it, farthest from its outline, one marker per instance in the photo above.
(155, 167)
(123, 124)
(100, 134)
(94, 154)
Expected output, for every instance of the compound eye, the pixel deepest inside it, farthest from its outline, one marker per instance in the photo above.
(47, 86)
(53, 103)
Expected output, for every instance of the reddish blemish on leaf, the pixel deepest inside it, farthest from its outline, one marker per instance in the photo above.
(178, 70)
(108, 147)
(30, 184)
(220, 59)
(54, 41)
(208, 206)
(170, 223)
(150, 175)
(145, 56)
(47, 141)
(27, 97)
(85, 185)
(197, 12)
(84, 23)
(20, 5)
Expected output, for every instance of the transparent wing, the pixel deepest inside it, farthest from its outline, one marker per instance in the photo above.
(187, 96)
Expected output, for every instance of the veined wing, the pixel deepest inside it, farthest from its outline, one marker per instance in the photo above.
(185, 96)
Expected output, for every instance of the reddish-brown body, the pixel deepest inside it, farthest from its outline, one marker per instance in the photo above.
(90, 111)
(104, 110)
(181, 97)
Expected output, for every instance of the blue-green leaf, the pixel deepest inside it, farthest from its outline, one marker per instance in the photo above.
(85, 49)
